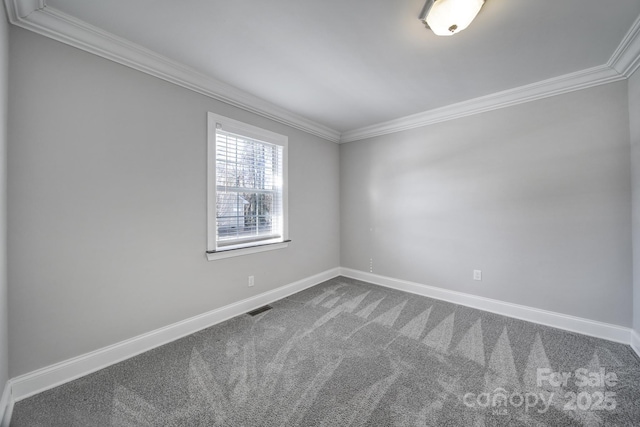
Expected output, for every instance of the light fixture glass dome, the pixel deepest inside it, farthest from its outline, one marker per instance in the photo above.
(448, 17)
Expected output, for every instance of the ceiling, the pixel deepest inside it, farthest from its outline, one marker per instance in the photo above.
(351, 64)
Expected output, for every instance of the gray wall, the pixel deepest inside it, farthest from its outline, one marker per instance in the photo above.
(4, 50)
(634, 121)
(537, 196)
(106, 189)
(107, 205)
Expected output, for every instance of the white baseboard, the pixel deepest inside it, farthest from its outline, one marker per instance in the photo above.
(52, 376)
(549, 318)
(635, 342)
(43, 379)
(6, 406)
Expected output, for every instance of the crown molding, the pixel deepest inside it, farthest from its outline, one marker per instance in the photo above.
(622, 64)
(35, 16)
(18, 9)
(626, 58)
(532, 92)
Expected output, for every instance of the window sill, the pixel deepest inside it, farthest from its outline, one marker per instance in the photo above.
(212, 256)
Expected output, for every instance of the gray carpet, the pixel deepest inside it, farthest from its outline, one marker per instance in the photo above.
(347, 353)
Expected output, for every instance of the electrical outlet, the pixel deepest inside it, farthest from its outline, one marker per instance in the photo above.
(251, 281)
(370, 265)
(477, 274)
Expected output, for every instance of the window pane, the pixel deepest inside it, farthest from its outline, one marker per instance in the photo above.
(249, 189)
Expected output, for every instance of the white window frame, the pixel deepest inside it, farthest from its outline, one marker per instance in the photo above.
(216, 121)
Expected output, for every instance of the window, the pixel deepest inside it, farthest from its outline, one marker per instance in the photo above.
(247, 197)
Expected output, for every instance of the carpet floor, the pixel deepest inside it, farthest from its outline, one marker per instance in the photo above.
(348, 353)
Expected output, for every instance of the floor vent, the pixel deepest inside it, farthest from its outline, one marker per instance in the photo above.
(259, 310)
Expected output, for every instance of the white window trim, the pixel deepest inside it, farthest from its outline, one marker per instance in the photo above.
(235, 126)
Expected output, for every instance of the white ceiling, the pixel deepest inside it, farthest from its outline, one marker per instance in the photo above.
(350, 64)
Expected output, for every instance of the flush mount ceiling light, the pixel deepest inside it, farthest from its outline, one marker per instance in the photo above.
(448, 17)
